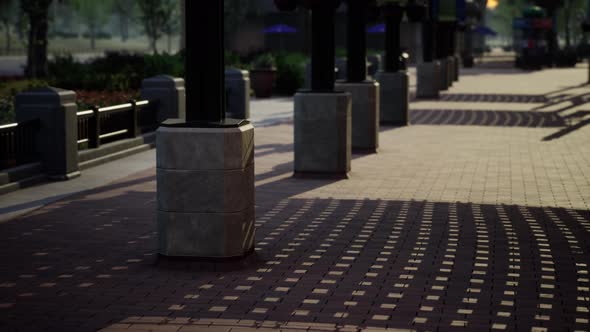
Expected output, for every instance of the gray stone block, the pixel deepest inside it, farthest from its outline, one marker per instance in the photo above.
(205, 181)
(322, 133)
(237, 86)
(206, 235)
(57, 139)
(457, 68)
(205, 148)
(451, 70)
(443, 79)
(394, 97)
(428, 82)
(169, 92)
(220, 191)
(365, 114)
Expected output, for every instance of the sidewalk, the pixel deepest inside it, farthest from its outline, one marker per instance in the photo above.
(476, 217)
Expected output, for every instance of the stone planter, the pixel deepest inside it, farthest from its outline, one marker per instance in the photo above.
(262, 81)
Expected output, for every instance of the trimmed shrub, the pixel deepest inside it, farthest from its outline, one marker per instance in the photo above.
(290, 72)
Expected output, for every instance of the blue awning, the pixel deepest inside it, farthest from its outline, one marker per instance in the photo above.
(280, 28)
(379, 28)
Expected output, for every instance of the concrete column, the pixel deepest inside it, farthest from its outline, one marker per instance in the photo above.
(394, 83)
(365, 94)
(237, 86)
(205, 165)
(58, 134)
(429, 71)
(322, 118)
(169, 92)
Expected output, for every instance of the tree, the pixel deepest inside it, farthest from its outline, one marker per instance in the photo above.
(155, 17)
(125, 9)
(37, 15)
(8, 15)
(95, 14)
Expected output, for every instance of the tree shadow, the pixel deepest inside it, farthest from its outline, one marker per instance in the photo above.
(486, 118)
(99, 253)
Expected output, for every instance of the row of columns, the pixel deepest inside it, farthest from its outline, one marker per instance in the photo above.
(205, 162)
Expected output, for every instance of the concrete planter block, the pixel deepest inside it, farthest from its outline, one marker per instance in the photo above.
(169, 92)
(214, 235)
(457, 68)
(451, 70)
(237, 86)
(205, 148)
(443, 78)
(428, 85)
(205, 179)
(365, 114)
(322, 134)
(394, 98)
(58, 135)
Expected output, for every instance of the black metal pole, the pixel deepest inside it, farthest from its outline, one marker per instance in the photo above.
(452, 31)
(322, 48)
(392, 39)
(204, 62)
(357, 40)
(427, 40)
(441, 42)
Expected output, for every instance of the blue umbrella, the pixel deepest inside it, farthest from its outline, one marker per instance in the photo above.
(485, 31)
(280, 28)
(379, 28)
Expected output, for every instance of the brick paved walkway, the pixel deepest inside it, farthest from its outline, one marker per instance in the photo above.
(475, 218)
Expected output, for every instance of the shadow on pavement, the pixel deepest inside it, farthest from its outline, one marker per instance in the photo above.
(90, 263)
(486, 118)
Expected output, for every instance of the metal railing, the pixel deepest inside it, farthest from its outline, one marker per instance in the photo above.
(18, 143)
(98, 126)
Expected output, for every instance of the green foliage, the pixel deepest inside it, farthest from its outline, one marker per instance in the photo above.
(234, 60)
(168, 64)
(290, 72)
(114, 72)
(156, 17)
(264, 61)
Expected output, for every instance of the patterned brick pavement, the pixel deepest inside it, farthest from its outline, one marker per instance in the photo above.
(453, 225)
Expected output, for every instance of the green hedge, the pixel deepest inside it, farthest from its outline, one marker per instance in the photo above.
(290, 72)
(115, 72)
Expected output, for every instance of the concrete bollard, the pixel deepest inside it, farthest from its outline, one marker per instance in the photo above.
(169, 92)
(394, 97)
(237, 87)
(57, 139)
(428, 85)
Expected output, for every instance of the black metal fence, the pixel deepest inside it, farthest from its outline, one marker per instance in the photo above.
(17, 143)
(95, 127)
(98, 126)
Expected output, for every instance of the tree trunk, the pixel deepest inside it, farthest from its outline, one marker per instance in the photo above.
(182, 25)
(568, 38)
(92, 31)
(7, 36)
(154, 47)
(37, 48)
(169, 34)
(124, 22)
